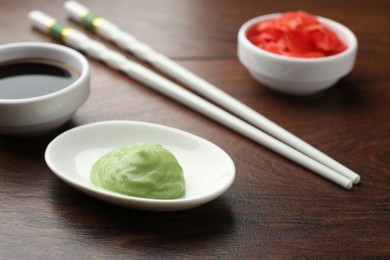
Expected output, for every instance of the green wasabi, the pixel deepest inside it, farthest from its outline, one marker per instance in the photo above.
(140, 170)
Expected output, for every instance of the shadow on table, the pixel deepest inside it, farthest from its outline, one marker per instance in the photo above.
(121, 227)
(30, 145)
(22, 158)
(342, 96)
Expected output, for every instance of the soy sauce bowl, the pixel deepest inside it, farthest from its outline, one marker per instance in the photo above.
(38, 113)
(297, 76)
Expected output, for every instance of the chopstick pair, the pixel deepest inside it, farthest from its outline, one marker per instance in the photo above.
(328, 168)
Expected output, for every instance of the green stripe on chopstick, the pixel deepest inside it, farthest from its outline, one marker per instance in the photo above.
(56, 30)
(91, 21)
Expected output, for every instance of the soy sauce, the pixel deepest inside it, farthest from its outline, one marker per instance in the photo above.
(33, 78)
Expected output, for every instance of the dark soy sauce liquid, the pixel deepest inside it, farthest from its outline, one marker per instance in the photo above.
(32, 78)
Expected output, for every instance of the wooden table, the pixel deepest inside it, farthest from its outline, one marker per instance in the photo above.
(274, 207)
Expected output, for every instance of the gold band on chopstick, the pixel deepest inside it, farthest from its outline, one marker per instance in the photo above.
(57, 30)
(91, 21)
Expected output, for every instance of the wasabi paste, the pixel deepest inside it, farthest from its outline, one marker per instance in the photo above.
(140, 170)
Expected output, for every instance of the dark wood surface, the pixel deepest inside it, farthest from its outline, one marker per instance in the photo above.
(274, 208)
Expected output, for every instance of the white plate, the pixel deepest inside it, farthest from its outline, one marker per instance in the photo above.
(208, 170)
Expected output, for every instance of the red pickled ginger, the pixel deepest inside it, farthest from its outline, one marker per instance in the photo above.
(295, 34)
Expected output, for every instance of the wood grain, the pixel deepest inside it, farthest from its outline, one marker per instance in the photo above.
(275, 209)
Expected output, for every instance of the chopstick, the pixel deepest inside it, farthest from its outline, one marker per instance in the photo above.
(115, 60)
(110, 31)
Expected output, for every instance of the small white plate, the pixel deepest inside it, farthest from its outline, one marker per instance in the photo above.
(208, 170)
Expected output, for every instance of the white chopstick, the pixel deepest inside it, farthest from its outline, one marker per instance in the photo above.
(117, 61)
(126, 41)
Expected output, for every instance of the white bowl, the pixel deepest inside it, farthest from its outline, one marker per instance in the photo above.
(40, 114)
(208, 170)
(297, 76)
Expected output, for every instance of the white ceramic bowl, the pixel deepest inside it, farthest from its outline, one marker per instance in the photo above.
(208, 170)
(297, 76)
(40, 114)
